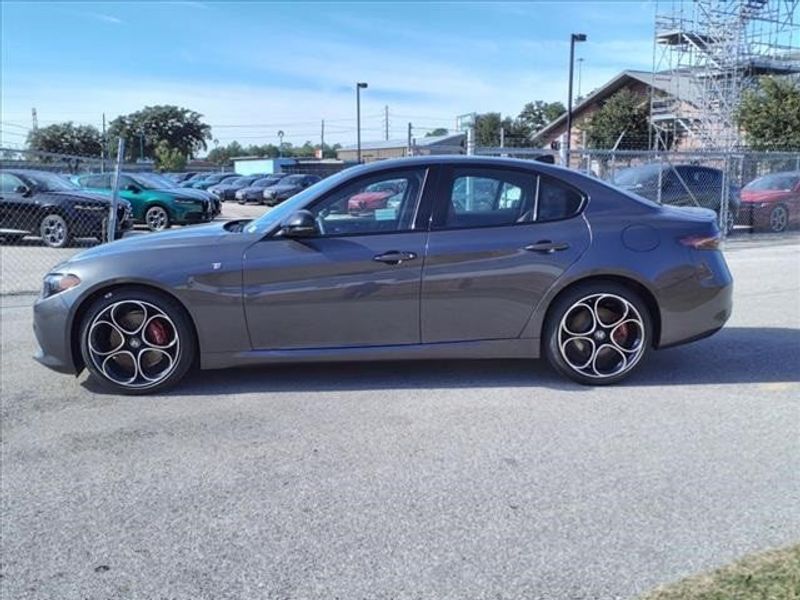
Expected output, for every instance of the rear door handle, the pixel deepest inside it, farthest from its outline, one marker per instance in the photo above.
(394, 257)
(547, 247)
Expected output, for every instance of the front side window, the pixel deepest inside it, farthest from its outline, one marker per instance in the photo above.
(9, 183)
(486, 197)
(375, 204)
(95, 181)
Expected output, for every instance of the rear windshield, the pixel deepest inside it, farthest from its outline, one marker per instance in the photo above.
(637, 175)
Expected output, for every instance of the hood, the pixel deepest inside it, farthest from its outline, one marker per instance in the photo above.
(182, 193)
(765, 195)
(198, 235)
(81, 195)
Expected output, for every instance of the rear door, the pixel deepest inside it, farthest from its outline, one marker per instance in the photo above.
(355, 283)
(500, 238)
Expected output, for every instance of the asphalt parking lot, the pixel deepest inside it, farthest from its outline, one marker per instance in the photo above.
(490, 479)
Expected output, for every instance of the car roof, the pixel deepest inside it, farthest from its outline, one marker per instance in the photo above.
(461, 160)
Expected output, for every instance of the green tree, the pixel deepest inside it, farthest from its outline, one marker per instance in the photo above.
(625, 114)
(535, 115)
(437, 132)
(67, 138)
(179, 128)
(487, 129)
(169, 159)
(770, 115)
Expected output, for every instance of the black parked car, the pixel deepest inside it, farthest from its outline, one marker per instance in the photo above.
(255, 191)
(288, 187)
(51, 206)
(681, 185)
(226, 190)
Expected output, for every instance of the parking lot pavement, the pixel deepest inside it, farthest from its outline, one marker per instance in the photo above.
(409, 480)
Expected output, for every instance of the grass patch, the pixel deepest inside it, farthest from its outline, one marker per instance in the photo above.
(773, 575)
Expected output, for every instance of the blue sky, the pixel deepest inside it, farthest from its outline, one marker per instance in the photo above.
(254, 68)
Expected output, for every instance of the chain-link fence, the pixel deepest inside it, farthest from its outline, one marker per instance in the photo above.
(54, 205)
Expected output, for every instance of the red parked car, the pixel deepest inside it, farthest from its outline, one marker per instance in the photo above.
(772, 202)
(374, 197)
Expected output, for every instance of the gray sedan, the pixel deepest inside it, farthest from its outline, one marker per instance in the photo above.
(475, 257)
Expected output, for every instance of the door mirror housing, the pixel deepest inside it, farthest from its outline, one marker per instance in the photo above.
(23, 189)
(300, 224)
(132, 187)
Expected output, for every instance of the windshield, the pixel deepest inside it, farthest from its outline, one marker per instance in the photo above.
(240, 181)
(144, 182)
(155, 180)
(264, 182)
(637, 175)
(778, 181)
(271, 219)
(294, 179)
(50, 182)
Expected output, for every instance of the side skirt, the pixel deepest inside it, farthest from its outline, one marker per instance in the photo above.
(516, 348)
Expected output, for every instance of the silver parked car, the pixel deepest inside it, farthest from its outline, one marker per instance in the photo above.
(474, 257)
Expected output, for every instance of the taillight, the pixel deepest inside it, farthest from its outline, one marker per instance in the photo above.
(702, 242)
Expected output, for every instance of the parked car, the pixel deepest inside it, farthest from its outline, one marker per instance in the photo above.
(163, 182)
(156, 206)
(54, 208)
(228, 188)
(376, 197)
(255, 191)
(207, 182)
(682, 185)
(288, 187)
(772, 202)
(538, 260)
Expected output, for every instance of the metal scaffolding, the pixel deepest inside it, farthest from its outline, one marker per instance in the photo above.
(706, 53)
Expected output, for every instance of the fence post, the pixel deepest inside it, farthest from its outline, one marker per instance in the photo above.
(725, 193)
(112, 217)
(471, 141)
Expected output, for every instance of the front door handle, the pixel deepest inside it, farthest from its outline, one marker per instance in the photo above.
(546, 247)
(394, 257)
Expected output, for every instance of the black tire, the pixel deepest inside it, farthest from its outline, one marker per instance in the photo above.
(55, 231)
(127, 360)
(778, 219)
(590, 354)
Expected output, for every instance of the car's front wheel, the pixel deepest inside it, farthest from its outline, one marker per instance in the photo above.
(136, 341)
(778, 219)
(157, 218)
(597, 333)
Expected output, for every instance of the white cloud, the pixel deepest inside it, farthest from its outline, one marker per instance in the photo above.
(105, 18)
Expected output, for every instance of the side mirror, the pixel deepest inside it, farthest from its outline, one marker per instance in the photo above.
(23, 189)
(300, 224)
(132, 187)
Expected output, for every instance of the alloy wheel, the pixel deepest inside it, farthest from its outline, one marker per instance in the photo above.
(54, 231)
(157, 218)
(134, 344)
(778, 219)
(601, 336)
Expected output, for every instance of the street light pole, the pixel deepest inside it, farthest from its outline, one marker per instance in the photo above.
(359, 86)
(575, 37)
(280, 143)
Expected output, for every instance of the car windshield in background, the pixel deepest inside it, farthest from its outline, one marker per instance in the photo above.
(294, 179)
(50, 182)
(637, 175)
(143, 181)
(778, 182)
(264, 181)
(239, 181)
(154, 180)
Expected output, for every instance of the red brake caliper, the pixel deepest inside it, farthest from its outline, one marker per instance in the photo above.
(157, 332)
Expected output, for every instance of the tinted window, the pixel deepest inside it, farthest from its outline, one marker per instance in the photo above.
(485, 197)
(557, 200)
(380, 203)
(9, 183)
(95, 181)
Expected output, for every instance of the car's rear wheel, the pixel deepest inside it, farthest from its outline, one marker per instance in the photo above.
(157, 218)
(54, 231)
(136, 341)
(597, 333)
(778, 219)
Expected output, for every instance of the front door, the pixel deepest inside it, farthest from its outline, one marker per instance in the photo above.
(355, 283)
(500, 238)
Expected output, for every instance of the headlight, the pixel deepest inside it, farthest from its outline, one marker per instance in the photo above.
(187, 201)
(91, 207)
(55, 283)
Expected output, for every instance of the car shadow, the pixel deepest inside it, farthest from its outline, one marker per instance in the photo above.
(734, 355)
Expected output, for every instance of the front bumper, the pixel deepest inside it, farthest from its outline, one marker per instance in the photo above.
(51, 328)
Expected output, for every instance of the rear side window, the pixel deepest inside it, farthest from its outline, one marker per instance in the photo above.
(486, 197)
(557, 200)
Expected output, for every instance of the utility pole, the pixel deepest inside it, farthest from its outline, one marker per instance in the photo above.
(386, 122)
(575, 37)
(34, 119)
(322, 140)
(103, 147)
(409, 151)
(359, 86)
(502, 137)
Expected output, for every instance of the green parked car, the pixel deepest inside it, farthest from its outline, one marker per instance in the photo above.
(155, 205)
